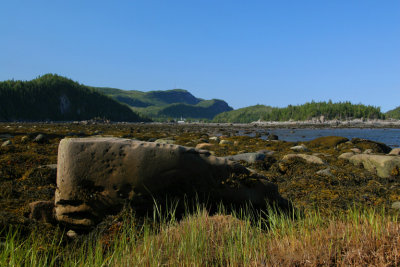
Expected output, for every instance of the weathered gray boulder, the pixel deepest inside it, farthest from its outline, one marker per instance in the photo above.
(248, 157)
(96, 176)
(382, 165)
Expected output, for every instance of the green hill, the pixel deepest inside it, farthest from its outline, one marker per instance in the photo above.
(56, 98)
(341, 111)
(394, 113)
(161, 105)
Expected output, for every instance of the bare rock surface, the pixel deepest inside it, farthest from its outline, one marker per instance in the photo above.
(383, 165)
(96, 176)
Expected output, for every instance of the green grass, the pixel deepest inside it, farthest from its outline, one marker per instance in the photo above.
(357, 237)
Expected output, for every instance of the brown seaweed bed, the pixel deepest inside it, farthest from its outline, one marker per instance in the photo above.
(26, 173)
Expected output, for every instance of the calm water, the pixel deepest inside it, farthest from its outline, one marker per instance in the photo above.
(390, 137)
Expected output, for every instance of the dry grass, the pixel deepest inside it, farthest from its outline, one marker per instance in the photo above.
(356, 238)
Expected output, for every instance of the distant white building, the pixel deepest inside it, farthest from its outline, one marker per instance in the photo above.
(182, 120)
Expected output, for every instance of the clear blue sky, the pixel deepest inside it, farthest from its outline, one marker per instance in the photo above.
(245, 52)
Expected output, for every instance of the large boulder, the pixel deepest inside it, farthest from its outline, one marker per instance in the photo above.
(383, 165)
(97, 176)
(376, 147)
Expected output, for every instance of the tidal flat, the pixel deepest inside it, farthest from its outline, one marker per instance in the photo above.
(333, 195)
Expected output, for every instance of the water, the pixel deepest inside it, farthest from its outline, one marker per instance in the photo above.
(390, 137)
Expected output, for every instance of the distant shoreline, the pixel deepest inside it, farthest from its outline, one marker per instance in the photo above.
(335, 124)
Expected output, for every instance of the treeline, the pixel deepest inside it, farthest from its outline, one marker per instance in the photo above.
(307, 111)
(394, 113)
(56, 98)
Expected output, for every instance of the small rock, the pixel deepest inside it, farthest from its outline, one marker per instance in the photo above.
(42, 211)
(6, 143)
(322, 154)
(165, 141)
(226, 142)
(326, 172)
(24, 139)
(346, 155)
(308, 158)
(248, 157)
(40, 138)
(299, 148)
(395, 151)
(368, 151)
(266, 152)
(152, 139)
(206, 146)
(356, 150)
(272, 137)
(396, 205)
(72, 234)
(49, 166)
(5, 136)
(214, 138)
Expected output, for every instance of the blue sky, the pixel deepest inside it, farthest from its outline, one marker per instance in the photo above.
(245, 52)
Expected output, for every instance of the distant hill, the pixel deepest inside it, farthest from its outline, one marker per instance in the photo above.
(56, 98)
(341, 111)
(394, 113)
(160, 105)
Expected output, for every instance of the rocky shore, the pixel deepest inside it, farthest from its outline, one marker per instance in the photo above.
(322, 123)
(331, 173)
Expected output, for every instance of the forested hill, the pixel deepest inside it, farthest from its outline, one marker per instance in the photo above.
(56, 98)
(341, 111)
(161, 105)
(394, 113)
